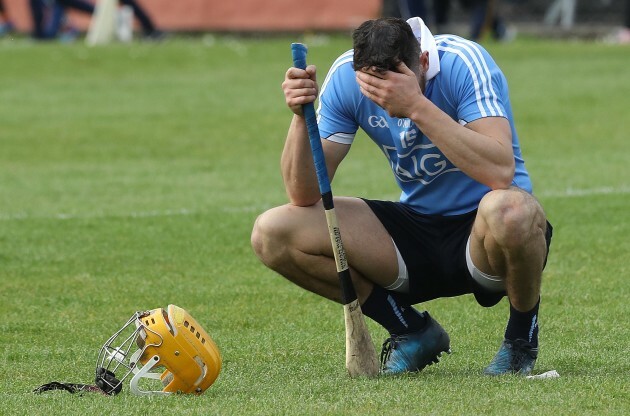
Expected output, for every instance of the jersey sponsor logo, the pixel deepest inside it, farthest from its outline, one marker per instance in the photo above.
(418, 165)
(378, 121)
(413, 158)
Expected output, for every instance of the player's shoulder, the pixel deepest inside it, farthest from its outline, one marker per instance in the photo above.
(464, 61)
(454, 49)
(344, 63)
(345, 58)
(341, 68)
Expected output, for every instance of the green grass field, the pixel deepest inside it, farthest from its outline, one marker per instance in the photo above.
(130, 177)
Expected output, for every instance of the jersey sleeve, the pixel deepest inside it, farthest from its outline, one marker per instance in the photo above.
(337, 102)
(478, 86)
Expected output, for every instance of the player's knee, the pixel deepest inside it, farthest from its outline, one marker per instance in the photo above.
(267, 236)
(512, 216)
(263, 234)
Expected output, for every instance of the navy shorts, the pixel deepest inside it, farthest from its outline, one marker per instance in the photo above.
(434, 250)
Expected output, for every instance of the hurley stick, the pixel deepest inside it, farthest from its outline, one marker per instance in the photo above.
(360, 354)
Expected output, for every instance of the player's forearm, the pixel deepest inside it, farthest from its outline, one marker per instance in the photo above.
(298, 171)
(489, 160)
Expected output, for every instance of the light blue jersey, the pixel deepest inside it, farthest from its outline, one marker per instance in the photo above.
(469, 86)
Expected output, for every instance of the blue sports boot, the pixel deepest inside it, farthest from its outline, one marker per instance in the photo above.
(514, 357)
(414, 351)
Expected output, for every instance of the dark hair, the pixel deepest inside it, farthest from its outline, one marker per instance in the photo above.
(384, 43)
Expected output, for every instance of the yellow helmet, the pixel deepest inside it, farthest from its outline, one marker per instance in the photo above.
(165, 345)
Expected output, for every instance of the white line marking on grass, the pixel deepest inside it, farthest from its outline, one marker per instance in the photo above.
(135, 214)
(97, 214)
(252, 208)
(577, 192)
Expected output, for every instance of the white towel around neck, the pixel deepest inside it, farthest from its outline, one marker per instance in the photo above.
(427, 43)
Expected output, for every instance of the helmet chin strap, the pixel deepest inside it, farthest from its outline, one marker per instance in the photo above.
(105, 383)
(106, 380)
(69, 387)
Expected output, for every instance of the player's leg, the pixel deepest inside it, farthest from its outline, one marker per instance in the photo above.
(148, 27)
(80, 5)
(6, 25)
(294, 242)
(508, 242)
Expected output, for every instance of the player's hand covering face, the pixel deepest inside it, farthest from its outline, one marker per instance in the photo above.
(396, 92)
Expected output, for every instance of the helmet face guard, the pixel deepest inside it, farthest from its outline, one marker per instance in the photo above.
(160, 352)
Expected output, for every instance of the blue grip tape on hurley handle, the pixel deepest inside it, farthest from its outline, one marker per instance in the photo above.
(298, 51)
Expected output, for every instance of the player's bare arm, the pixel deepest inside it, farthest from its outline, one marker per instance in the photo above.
(298, 172)
(482, 149)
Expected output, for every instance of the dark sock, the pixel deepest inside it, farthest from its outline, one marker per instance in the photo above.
(523, 325)
(383, 308)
